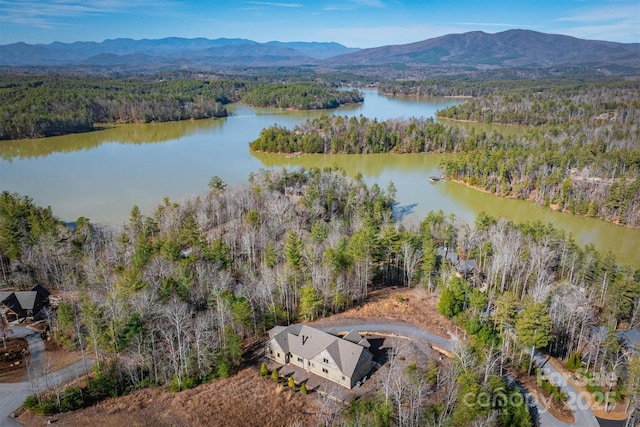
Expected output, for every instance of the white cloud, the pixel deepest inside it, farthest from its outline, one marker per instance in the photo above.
(365, 37)
(623, 33)
(601, 14)
(355, 4)
(41, 12)
(614, 22)
(367, 3)
(275, 4)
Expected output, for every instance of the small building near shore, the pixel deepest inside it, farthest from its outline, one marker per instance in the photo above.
(343, 360)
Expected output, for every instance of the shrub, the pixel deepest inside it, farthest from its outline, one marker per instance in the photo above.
(274, 376)
(223, 368)
(292, 383)
(71, 400)
(189, 383)
(614, 396)
(40, 407)
(574, 362)
(593, 387)
(303, 388)
(264, 371)
(432, 373)
(524, 366)
(174, 387)
(103, 386)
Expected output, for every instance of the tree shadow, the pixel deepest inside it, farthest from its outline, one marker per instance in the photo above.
(399, 212)
(379, 350)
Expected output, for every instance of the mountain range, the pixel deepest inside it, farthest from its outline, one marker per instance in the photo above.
(478, 50)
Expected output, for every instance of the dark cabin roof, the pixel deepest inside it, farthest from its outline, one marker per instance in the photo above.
(25, 303)
(44, 293)
(10, 300)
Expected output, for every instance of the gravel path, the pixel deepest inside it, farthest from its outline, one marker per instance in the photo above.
(13, 395)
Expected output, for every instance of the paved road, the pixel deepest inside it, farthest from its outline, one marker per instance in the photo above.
(401, 330)
(583, 415)
(13, 395)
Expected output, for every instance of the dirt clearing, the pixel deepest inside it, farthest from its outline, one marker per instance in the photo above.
(13, 360)
(245, 399)
(415, 306)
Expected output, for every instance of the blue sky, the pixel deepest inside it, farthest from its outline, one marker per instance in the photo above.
(354, 23)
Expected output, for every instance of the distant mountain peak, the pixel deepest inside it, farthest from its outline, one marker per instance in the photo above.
(514, 48)
(507, 49)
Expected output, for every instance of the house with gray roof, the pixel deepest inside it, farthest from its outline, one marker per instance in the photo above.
(343, 360)
(467, 267)
(445, 253)
(630, 340)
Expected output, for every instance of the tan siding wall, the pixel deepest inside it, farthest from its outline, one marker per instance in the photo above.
(273, 351)
(293, 359)
(332, 374)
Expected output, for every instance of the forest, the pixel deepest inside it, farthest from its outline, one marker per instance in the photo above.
(575, 148)
(489, 82)
(41, 106)
(168, 298)
(300, 96)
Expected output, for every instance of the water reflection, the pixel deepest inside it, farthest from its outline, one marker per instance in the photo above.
(124, 134)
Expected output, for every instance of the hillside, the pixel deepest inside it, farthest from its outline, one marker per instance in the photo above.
(512, 48)
(475, 50)
(173, 50)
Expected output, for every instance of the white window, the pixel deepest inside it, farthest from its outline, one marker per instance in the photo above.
(325, 370)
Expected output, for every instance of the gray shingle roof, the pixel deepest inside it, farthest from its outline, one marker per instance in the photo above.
(350, 356)
(631, 339)
(307, 342)
(448, 254)
(467, 266)
(356, 338)
(27, 299)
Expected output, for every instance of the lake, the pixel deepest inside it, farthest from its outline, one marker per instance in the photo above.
(101, 175)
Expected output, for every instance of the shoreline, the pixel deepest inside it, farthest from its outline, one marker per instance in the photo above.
(529, 200)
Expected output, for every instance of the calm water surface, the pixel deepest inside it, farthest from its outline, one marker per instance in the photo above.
(101, 175)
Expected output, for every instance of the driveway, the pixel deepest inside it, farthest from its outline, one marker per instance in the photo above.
(13, 395)
(583, 415)
(400, 330)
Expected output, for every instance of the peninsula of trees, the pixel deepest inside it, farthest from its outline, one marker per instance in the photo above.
(34, 107)
(577, 150)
